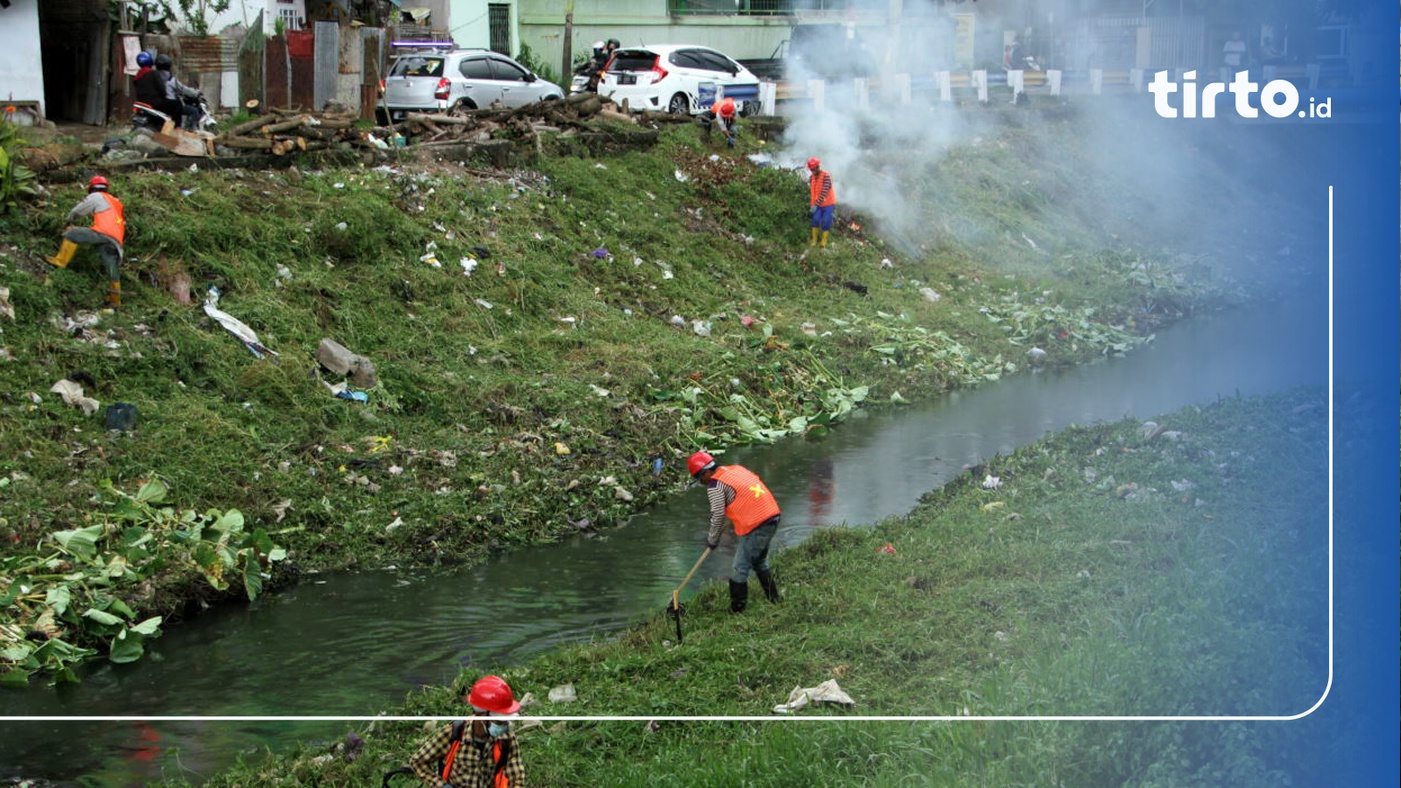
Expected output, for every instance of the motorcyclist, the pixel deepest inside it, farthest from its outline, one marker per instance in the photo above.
(148, 82)
(177, 93)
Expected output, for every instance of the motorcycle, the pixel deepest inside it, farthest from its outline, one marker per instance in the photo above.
(585, 79)
(146, 118)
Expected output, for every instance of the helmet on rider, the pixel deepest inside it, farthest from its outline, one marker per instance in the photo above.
(97, 184)
(163, 62)
(814, 164)
(700, 461)
(598, 47)
(613, 44)
(143, 59)
(491, 693)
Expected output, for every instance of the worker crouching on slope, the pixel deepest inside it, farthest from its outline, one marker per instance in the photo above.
(107, 233)
(737, 493)
(477, 753)
(726, 114)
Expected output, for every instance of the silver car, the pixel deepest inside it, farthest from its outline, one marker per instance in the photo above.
(457, 80)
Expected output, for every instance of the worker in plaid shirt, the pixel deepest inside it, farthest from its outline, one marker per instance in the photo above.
(477, 753)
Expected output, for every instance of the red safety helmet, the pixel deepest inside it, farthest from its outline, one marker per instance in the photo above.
(699, 462)
(814, 164)
(97, 182)
(493, 694)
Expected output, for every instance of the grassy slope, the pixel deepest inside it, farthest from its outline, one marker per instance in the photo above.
(475, 405)
(1064, 592)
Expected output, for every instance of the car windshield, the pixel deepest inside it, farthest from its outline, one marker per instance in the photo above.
(633, 61)
(418, 66)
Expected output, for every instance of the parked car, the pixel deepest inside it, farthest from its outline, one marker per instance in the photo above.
(678, 78)
(459, 79)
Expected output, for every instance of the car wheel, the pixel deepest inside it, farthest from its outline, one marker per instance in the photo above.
(679, 104)
(461, 107)
(381, 117)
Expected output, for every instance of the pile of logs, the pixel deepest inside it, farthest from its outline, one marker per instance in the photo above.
(281, 132)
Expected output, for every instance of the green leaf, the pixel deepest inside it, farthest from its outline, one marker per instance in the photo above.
(58, 598)
(149, 627)
(101, 616)
(231, 522)
(80, 543)
(152, 492)
(127, 646)
(252, 580)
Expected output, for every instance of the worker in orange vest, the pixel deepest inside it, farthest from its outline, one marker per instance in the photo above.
(107, 233)
(739, 495)
(822, 201)
(477, 753)
(726, 114)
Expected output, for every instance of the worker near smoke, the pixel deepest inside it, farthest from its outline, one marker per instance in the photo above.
(822, 202)
(725, 114)
(477, 753)
(739, 495)
(107, 233)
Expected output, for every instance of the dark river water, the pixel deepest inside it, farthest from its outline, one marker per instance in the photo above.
(352, 645)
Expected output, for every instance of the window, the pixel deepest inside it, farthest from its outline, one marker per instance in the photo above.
(508, 71)
(476, 68)
(499, 27)
(418, 66)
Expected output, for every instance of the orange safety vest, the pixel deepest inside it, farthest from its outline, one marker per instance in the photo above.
(753, 503)
(820, 189)
(111, 222)
(725, 108)
(499, 779)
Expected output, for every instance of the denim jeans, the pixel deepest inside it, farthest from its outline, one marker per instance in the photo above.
(752, 550)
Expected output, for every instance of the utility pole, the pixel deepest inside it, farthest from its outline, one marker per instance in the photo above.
(567, 68)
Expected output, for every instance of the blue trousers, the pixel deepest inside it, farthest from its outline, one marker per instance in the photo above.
(822, 217)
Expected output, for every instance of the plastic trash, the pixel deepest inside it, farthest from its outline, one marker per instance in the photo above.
(121, 416)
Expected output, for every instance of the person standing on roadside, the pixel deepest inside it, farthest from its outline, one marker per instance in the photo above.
(822, 201)
(480, 752)
(107, 233)
(739, 495)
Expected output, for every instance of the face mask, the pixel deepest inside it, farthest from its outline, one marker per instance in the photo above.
(497, 729)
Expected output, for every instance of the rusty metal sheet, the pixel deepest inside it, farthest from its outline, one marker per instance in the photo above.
(276, 77)
(211, 53)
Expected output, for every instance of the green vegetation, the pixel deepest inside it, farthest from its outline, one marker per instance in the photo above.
(539, 337)
(1170, 569)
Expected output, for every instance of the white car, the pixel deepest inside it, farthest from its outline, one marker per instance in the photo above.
(461, 79)
(678, 78)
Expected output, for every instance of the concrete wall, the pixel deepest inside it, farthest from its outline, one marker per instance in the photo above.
(21, 62)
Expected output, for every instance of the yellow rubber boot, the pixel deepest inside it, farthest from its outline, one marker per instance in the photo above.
(825, 233)
(66, 251)
(114, 294)
(813, 242)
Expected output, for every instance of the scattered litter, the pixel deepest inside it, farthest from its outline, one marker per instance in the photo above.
(826, 692)
(482, 302)
(888, 549)
(929, 294)
(1182, 486)
(991, 482)
(468, 265)
(809, 328)
(896, 399)
(1150, 429)
(5, 308)
(678, 321)
(656, 466)
(342, 226)
(233, 325)
(886, 264)
(356, 396)
(682, 177)
(993, 506)
(622, 495)
(564, 693)
(1031, 242)
(1036, 356)
(121, 416)
(561, 448)
(431, 259)
(72, 394)
(601, 253)
(336, 358)
(1126, 490)
(701, 327)
(747, 321)
(599, 391)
